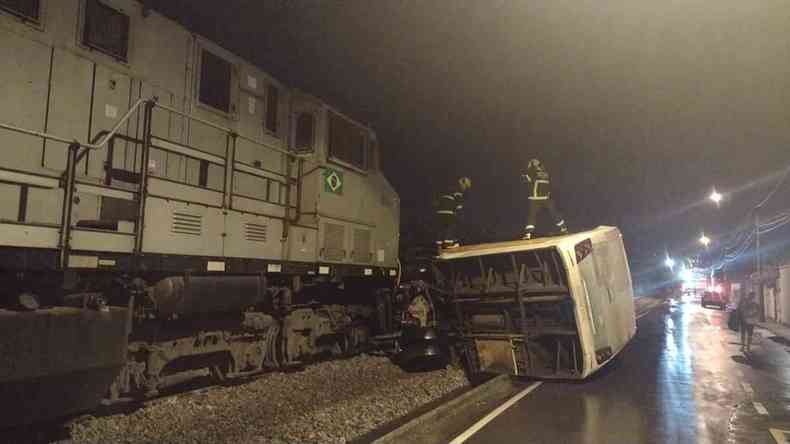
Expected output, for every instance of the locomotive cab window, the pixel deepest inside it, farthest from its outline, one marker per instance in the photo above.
(304, 132)
(272, 108)
(347, 142)
(215, 73)
(106, 30)
(24, 9)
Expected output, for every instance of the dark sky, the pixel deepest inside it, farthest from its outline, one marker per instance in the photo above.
(638, 107)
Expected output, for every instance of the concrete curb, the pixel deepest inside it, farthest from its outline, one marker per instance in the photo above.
(491, 390)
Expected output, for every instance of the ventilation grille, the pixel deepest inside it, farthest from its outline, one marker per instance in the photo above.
(184, 223)
(361, 252)
(255, 232)
(334, 235)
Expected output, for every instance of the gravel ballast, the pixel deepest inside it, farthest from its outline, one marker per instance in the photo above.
(329, 402)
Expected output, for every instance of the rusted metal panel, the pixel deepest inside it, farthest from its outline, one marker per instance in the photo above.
(496, 356)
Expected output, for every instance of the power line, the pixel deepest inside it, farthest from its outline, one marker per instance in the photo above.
(775, 227)
(738, 239)
(775, 189)
(732, 257)
(744, 238)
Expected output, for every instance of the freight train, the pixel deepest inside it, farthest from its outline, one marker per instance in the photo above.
(168, 206)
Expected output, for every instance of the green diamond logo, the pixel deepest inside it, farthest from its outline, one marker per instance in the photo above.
(333, 181)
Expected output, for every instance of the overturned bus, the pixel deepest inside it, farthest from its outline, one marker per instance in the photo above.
(558, 307)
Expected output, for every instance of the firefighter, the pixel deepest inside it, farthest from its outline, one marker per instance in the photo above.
(448, 209)
(540, 197)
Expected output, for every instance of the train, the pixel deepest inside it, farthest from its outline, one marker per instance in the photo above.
(170, 207)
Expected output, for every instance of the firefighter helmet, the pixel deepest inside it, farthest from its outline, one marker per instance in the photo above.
(465, 183)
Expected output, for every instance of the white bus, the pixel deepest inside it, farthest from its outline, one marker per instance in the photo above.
(556, 307)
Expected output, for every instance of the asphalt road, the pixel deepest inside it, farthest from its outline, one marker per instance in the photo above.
(683, 379)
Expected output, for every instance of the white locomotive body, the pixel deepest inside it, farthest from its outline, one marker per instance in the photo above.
(241, 222)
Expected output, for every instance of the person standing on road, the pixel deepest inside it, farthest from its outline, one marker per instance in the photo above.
(540, 197)
(747, 317)
(449, 206)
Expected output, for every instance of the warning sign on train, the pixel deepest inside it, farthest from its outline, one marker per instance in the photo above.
(333, 181)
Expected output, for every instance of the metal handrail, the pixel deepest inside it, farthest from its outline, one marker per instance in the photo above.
(279, 150)
(197, 119)
(117, 126)
(89, 146)
(43, 135)
(227, 130)
(108, 136)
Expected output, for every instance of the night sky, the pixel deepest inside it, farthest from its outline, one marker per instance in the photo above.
(637, 107)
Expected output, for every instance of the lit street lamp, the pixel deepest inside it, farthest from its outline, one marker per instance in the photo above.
(704, 240)
(715, 196)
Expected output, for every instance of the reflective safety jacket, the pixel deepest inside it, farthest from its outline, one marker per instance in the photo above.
(540, 185)
(449, 203)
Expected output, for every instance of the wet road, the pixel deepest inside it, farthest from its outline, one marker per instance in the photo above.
(683, 379)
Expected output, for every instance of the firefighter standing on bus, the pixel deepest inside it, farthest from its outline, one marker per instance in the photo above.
(449, 206)
(540, 198)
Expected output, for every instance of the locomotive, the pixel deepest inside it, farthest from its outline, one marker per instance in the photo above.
(168, 207)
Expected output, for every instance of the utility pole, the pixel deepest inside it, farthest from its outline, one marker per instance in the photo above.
(760, 294)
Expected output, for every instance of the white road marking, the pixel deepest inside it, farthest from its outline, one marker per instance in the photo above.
(760, 408)
(498, 411)
(747, 388)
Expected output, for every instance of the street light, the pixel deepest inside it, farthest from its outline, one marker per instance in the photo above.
(704, 240)
(669, 262)
(715, 196)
